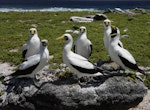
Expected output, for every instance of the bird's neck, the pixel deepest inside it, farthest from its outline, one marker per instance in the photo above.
(33, 36)
(67, 48)
(107, 31)
(42, 49)
(82, 35)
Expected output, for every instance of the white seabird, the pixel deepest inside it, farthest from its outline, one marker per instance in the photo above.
(122, 56)
(82, 45)
(78, 64)
(34, 63)
(108, 29)
(32, 46)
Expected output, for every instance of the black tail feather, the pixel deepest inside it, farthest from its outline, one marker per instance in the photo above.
(141, 71)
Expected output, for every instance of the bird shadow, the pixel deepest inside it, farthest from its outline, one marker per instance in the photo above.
(16, 85)
(83, 82)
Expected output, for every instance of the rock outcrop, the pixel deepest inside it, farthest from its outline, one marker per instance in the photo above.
(88, 18)
(65, 93)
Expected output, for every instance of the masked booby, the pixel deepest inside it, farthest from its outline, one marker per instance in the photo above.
(108, 29)
(77, 63)
(82, 45)
(34, 63)
(32, 46)
(122, 56)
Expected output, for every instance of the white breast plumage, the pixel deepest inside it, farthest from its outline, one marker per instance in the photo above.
(78, 64)
(82, 45)
(32, 46)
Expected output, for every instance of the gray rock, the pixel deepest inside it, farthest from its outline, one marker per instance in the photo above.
(88, 18)
(81, 19)
(99, 93)
(100, 17)
(140, 10)
(121, 11)
(114, 93)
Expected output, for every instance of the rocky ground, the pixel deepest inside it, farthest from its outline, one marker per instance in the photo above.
(145, 104)
(73, 92)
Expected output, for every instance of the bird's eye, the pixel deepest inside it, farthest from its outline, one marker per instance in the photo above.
(44, 43)
(66, 38)
(82, 30)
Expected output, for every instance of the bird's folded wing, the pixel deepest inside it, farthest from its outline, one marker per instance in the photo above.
(74, 47)
(80, 61)
(124, 54)
(25, 47)
(78, 57)
(31, 61)
(84, 66)
(90, 43)
(120, 44)
(90, 48)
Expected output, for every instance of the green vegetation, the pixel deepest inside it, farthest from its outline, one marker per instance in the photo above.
(14, 33)
(50, 25)
(1, 93)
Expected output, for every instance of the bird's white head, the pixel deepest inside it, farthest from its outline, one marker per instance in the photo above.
(106, 23)
(44, 43)
(68, 42)
(66, 37)
(32, 31)
(82, 29)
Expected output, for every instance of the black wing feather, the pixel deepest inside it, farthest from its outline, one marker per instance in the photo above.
(130, 65)
(85, 70)
(26, 71)
(91, 49)
(24, 53)
(119, 45)
(74, 47)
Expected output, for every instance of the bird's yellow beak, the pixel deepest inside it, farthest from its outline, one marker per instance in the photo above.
(32, 32)
(60, 38)
(106, 23)
(113, 34)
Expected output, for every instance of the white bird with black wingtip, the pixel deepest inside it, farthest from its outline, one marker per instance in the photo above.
(33, 64)
(108, 29)
(122, 56)
(77, 63)
(32, 46)
(83, 45)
